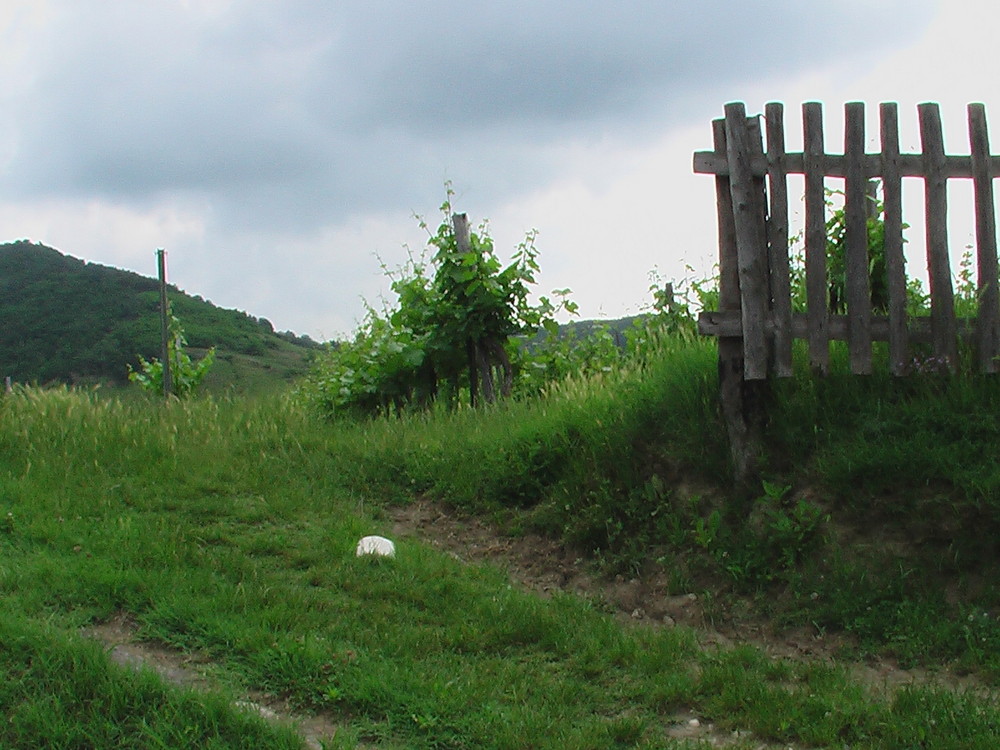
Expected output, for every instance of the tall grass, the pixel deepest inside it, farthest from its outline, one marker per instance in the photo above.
(60, 693)
(879, 434)
(575, 462)
(881, 520)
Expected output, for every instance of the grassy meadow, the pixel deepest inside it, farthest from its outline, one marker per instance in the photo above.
(224, 529)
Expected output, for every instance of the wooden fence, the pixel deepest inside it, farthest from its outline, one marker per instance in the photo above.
(755, 321)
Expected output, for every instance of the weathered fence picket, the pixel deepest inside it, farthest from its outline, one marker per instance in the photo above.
(988, 318)
(777, 239)
(755, 322)
(892, 199)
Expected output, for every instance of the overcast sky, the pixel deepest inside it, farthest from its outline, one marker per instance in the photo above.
(278, 148)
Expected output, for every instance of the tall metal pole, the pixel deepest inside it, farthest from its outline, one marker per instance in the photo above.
(161, 257)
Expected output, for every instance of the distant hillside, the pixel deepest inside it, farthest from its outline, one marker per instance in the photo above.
(583, 329)
(65, 320)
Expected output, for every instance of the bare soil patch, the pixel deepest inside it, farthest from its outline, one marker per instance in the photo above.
(119, 636)
(543, 565)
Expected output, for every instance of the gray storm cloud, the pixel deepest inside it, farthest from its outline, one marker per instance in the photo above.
(275, 145)
(301, 112)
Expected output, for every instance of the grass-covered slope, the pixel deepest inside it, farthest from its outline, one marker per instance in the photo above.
(60, 692)
(878, 518)
(74, 322)
(226, 530)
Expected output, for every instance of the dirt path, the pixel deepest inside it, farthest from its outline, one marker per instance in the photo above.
(119, 636)
(541, 565)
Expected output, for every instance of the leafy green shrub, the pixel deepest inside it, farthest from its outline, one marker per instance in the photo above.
(450, 333)
(378, 370)
(563, 354)
(555, 356)
(836, 256)
(185, 374)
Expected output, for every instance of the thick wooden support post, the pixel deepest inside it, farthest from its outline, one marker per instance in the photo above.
(736, 394)
(742, 143)
(777, 241)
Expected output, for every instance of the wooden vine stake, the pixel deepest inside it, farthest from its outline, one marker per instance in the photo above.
(161, 263)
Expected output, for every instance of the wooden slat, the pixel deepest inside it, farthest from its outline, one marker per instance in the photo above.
(750, 248)
(815, 237)
(895, 266)
(988, 315)
(758, 214)
(936, 215)
(835, 165)
(732, 385)
(718, 323)
(729, 275)
(730, 345)
(777, 240)
(857, 287)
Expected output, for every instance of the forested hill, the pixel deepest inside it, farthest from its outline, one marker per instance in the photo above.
(62, 319)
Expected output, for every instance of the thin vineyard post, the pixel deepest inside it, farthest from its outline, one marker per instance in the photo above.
(463, 243)
(161, 262)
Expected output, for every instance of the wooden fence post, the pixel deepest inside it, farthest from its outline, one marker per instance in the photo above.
(895, 266)
(777, 240)
(988, 315)
(738, 401)
(943, 327)
(815, 238)
(857, 285)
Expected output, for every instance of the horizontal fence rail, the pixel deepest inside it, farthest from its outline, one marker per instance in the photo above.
(755, 318)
